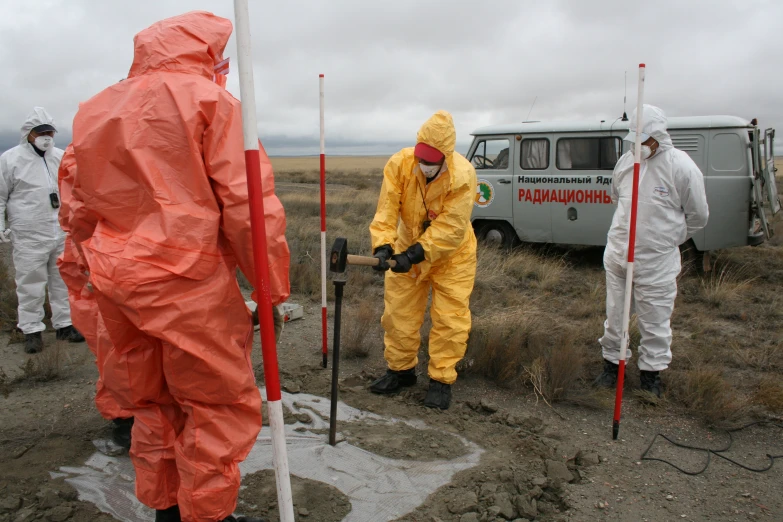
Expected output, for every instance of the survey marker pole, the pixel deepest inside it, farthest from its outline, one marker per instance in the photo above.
(261, 261)
(618, 398)
(324, 329)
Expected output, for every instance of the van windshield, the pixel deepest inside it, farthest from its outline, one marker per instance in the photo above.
(491, 154)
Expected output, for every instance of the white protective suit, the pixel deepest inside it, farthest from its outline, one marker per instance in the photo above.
(26, 181)
(672, 207)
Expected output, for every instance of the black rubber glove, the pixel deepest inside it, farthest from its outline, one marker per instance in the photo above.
(415, 253)
(403, 263)
(382, 253)
(412, 256)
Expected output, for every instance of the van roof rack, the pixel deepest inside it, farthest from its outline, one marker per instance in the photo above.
(538, 127)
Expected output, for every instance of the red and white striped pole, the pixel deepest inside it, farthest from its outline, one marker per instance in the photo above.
(618, 398)
(324, 340)
(261, 261)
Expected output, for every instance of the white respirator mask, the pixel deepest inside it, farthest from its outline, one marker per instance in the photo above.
(429, 171)
(44, 143)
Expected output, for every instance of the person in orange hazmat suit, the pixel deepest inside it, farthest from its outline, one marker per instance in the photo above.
(163, 224)
(84, 308)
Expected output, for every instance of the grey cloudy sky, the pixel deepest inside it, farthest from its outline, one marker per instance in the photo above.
(389, 65)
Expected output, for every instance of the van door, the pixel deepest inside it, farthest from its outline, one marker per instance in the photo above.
(492, 158)
(760, 180)
(769, 171)
(533, 174)
(581, 206)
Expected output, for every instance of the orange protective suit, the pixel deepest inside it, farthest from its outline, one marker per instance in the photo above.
(84, 308)
(163, 223)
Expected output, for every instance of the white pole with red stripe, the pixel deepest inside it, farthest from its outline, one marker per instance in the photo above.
(324, 340)
(618, 399)
(261, 262)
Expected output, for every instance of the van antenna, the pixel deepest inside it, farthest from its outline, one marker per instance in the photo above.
(531, 109)
(625, 96)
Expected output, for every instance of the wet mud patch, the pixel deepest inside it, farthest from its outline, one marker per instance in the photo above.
(497, 491)
(399, 440)
(313, 501)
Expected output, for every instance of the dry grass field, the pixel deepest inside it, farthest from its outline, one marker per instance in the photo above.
(538, 310)
(335, 164)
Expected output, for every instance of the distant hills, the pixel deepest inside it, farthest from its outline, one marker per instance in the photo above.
(277, 145)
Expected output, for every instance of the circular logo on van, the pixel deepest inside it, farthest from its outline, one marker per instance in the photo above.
(485, 193)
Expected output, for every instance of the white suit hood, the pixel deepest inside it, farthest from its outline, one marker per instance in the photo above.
(654, 124)
(39, 116)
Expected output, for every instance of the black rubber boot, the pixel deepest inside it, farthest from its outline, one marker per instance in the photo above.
(70, 334)
(608, 378)
(438, 396)
(33, 343)
(232, 518)
(121, 434)
(168, 515)
(393, 381)
(651, 382)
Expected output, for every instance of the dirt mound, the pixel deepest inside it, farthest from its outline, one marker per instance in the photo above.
(313, 501)
(26, 494)
(530, 490)
(402, 441)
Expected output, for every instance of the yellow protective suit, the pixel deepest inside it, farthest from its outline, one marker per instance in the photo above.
(449, 268)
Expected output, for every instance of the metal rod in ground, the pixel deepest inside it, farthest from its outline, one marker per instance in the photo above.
(324, 329)
(338, 306)
(618, 398)
(261, 261)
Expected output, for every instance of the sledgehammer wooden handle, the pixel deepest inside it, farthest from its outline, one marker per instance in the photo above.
(367, 261)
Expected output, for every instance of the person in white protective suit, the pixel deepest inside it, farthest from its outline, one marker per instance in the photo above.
(672, 207)
(29, 192)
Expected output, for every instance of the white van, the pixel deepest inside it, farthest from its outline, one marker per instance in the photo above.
(549, 182)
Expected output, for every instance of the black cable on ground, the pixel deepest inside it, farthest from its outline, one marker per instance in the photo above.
(716, 452)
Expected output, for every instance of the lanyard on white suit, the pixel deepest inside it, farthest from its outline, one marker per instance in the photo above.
(52, 187)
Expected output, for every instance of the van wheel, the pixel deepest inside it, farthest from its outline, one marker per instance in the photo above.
(692, 258)
(498, 234)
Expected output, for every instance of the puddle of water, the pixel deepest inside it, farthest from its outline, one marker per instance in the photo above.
(379, 488)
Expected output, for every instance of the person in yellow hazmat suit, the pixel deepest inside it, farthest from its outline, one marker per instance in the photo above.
(423, 224)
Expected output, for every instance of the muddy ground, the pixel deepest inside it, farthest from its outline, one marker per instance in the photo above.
(316, 501)
(539, 463)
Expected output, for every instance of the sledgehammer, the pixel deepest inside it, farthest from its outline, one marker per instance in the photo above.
(340, 258)
(338, 263)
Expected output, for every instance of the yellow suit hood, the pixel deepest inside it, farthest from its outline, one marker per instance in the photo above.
(439, 132)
